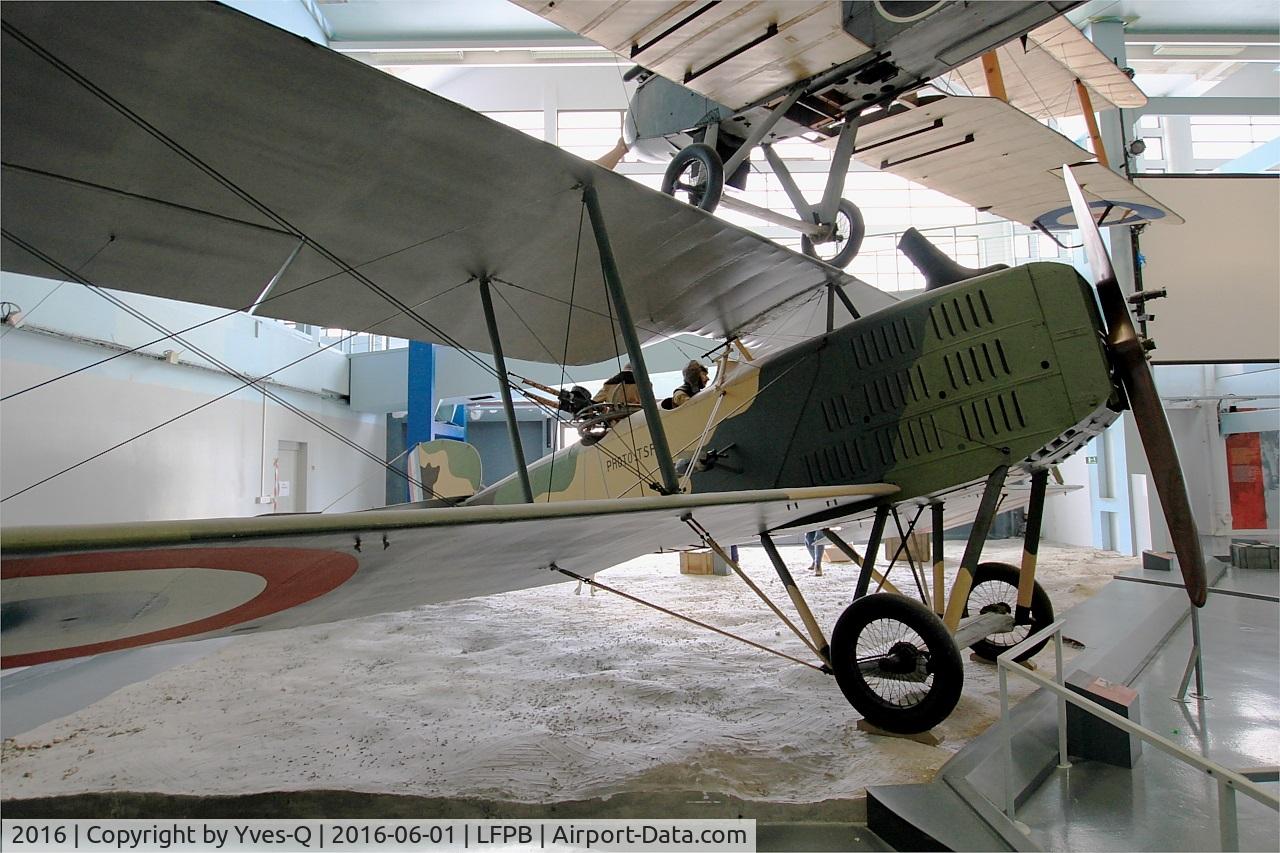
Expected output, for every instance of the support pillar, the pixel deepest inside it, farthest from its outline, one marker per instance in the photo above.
(504, 388)
(613, 282)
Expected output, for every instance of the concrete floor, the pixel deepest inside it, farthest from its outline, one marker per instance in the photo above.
(1165, 804)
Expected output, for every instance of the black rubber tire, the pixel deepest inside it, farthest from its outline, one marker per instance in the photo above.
(888, 616)
(853, 227)
(710, 170)
(1001, 587)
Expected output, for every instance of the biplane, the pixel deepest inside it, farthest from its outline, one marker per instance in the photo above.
(196, 153)
(934, 92)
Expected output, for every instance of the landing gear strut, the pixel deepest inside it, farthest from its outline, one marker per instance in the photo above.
(898, 660)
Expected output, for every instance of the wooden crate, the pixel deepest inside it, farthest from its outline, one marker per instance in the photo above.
(917, 545)
(702, 563)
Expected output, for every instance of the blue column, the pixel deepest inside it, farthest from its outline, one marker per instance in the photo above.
(422, 390)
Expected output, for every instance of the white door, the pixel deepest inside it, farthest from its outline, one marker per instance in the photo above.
(291, 477)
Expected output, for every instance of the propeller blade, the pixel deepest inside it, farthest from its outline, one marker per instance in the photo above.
(1130, 361)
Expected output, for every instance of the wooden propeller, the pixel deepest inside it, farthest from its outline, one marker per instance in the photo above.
(1130, 360)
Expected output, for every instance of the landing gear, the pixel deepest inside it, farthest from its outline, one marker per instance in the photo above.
(896, 663)
(695, 174)
(995, 590)
(846, 237)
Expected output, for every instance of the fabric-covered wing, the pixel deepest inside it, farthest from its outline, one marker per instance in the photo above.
(702, 45)
(1039, 78)
(74, 591)
(1000, 160)
(187, 148)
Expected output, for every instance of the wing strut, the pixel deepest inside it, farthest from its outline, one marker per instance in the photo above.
(613, 283)
(504, 386)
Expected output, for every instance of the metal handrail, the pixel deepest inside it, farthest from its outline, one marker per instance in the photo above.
(1228, 780)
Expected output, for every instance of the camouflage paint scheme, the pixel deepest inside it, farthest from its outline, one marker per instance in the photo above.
(450, 469)
(927, 394)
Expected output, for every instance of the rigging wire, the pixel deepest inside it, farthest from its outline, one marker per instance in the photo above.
(635, 451)
(236, 311)
(246, 381)
(27, 314)
(568, 325)
(360, 483)
(245, 196)
(230, 185)
(193, 410)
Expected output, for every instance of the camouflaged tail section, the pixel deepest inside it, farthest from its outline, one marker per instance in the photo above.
(931, 392)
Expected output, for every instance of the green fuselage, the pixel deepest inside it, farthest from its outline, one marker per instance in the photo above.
(933, 392)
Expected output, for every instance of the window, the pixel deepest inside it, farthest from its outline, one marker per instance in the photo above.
(531, 122)
(588, 133)
(1228, 137)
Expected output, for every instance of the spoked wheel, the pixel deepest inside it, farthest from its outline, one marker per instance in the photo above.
(850, 229)
(695, 175)
(995, 590)
(896, 663)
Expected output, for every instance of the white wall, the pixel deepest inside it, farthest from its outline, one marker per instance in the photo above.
(208, 464)
(1067, 518)
(1221, 268)
(257, 347)
(565, 88)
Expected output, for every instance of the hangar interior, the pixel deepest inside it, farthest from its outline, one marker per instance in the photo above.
(104, 421)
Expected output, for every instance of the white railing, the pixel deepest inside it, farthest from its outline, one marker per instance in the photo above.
(1229, 781)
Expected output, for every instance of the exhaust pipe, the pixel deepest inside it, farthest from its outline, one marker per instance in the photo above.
(935, 265)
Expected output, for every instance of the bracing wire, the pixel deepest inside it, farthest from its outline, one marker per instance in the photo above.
(240, 192)
(245, 381)
(43, 299)
(568, 326)
(234, 312)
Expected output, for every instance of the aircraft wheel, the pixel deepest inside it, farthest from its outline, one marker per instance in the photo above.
(995, 589)
(896, 663)
(850, 229)
(695, 174)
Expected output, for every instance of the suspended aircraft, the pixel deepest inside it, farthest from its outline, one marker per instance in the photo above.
(937, 92)
(193, 152)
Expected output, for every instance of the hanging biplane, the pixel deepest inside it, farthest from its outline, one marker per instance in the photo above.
(190, 151)
(719, 79)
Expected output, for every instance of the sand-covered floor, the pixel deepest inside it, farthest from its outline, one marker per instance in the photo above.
(533, 696)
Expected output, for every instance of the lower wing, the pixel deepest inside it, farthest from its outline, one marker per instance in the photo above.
(74, 591)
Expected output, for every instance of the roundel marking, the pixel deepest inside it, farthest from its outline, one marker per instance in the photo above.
(286, 577)
(1139, 213)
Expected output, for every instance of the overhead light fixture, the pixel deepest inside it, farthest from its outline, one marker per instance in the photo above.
(1198, 50)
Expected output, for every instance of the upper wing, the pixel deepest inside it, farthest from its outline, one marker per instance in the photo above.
(73, 591)
(1040, 73)
(186, 150)
(998, 159)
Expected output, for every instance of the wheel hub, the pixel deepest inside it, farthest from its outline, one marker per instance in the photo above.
(902, 659)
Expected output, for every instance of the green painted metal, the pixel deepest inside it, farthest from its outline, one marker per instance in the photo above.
(932, 392)
(613, 282)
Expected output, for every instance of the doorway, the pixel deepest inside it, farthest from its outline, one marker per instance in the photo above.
(291, 477)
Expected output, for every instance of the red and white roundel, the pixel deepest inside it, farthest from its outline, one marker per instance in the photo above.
(70, 605)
